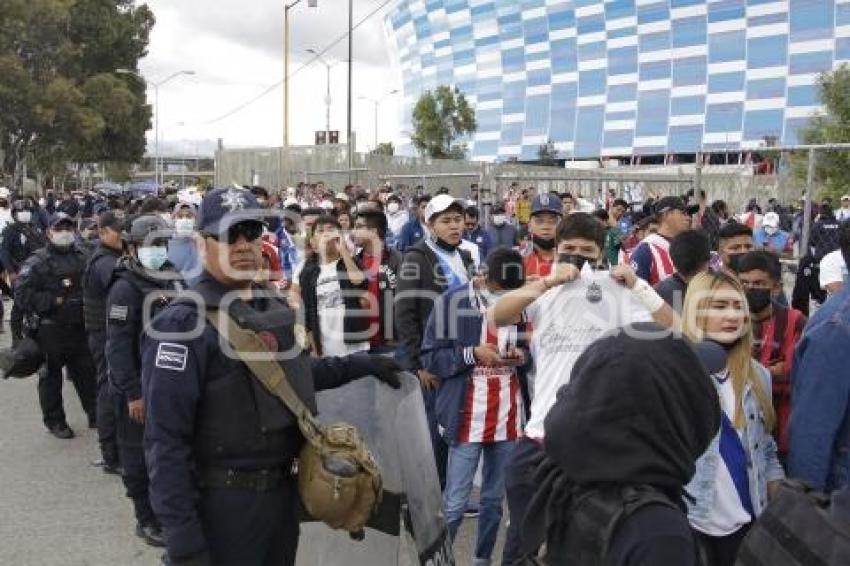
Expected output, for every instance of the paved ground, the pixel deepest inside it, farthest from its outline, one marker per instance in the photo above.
(57, 509)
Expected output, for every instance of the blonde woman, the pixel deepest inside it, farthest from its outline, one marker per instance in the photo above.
(730, 487)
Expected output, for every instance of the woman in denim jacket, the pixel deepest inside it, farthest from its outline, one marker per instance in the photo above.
(733, 478)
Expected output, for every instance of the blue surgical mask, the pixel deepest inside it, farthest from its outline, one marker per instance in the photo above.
(153, 257)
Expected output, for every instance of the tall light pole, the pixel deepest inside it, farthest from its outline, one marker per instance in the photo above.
(156, 86)
(286, 9)
(377, 102)
(328, 66)
(349, 143)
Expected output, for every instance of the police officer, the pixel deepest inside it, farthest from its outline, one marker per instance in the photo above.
(144, 283)
(96, 281)
(18, 241)
(49, 290)
(219, 447)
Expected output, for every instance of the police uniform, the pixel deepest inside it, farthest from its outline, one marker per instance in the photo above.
(18, 241)
(132, 290)
(96, 281)
(219, 447)
(49, 286)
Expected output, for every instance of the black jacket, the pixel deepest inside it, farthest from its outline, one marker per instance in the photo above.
(19, 241)
(387, 286)
(356, 323)
(96, 281)
(49, 285)
(421, 281)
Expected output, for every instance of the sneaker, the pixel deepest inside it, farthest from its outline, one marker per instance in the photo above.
(151, 534)
(471, 511)
(62, 431)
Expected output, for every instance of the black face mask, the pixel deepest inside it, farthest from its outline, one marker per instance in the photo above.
(575, 259)
(445, 245)
(735, 261)
(759, 299)
(543, 244)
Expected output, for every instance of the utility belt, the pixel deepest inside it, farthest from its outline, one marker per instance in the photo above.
(252, 480)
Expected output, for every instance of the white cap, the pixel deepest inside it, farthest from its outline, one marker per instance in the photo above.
(326, 205)
(441, 203)
(290, 191)
(4, 192)
(771, 219)
(341, 196)
(845, 197)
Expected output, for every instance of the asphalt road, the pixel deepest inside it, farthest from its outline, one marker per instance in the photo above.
(55, 508)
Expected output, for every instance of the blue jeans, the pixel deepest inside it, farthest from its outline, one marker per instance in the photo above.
(463, 462)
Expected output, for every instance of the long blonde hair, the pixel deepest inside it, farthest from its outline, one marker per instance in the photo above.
(742, 368)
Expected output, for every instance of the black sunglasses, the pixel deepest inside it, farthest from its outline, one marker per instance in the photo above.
(250, 230)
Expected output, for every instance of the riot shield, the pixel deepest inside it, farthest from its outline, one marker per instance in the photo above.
(409, 527)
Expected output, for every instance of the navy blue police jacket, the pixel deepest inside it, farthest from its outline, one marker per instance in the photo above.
(205, 410)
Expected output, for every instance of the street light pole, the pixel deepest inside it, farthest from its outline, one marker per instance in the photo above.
(328, 67)
(350, 81)
(377, 102)
(286, 9)
(156, 86)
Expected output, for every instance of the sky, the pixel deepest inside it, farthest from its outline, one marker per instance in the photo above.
(235, 48)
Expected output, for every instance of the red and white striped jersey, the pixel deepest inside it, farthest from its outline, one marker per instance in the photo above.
(651, 259)
(492, 411)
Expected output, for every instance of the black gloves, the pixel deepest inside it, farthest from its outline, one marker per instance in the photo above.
(385, 369)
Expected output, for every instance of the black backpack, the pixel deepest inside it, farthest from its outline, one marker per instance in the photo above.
(800, 527)
(580, 533)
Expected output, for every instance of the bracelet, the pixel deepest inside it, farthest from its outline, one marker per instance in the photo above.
(647, 296)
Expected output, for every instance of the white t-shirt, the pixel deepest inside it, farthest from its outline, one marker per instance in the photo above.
(332, 314)
(565, 321)
(832, 269)
(727, 514)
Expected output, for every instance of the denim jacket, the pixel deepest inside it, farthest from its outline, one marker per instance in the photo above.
(762, 461)
(819, 429)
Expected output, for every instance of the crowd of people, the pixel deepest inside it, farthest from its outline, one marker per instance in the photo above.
(650, 348)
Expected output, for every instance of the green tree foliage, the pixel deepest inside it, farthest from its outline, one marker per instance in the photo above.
(547, 154)
(385, 148)
(440, 118)
(832, 167)
(61, 99)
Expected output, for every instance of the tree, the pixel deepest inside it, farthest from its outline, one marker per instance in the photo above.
(439, 119)
(547, 154)
(385, 148)
(60, 96)
(832, 170)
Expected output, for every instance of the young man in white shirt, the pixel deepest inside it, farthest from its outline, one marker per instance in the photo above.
(568, 310)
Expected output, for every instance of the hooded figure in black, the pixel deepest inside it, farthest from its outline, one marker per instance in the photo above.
(628, 428)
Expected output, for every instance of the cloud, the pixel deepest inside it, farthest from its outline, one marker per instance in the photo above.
(236, 53)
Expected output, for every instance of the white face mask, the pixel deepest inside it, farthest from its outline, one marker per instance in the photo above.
(770, 230)
(153, 257)
(184, 226)
(392, 207)
(499, 219)
(62, 239)
(24, 216)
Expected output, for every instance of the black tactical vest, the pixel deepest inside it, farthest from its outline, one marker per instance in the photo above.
(240, 424)
(94, 298)
(64, 273)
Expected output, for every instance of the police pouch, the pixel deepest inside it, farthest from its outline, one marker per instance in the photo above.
(338, 479)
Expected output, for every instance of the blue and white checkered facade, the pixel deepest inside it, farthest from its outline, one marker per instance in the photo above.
(622, 77)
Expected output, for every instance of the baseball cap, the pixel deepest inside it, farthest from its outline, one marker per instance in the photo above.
(149, 225)
(442, 203)
(225, 206)
(62, 218)
(845, 197)
(108, 219)
(546, 202)
(771, 219)
(669, 203)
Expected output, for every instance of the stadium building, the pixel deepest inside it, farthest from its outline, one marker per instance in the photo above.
(622, 78)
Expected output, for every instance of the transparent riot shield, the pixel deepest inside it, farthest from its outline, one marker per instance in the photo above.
(409, 527)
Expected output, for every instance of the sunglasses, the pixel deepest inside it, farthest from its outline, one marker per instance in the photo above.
(251, 231)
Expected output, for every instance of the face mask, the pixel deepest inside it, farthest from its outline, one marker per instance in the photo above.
(759, 299)
(24, 216)
(543, 244)
(184, 226)
(393, 207)
(575, 259)
(499, 220)
(735, 261)
(153, 257)
(62, 239)
(770, 230)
